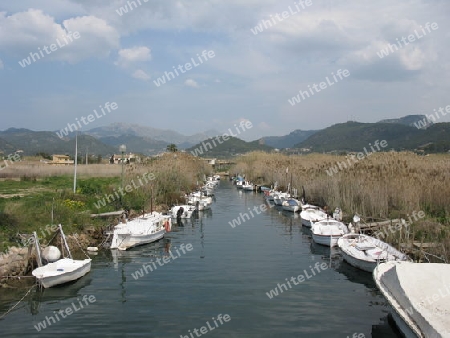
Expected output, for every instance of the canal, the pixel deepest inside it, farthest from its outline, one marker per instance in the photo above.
(207, 278)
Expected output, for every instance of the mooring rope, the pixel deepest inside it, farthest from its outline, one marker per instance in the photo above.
(34, 285)
(76, 240)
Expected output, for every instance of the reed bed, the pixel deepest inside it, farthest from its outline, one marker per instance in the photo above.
(381, 186)
(172, 176)
(36, 170)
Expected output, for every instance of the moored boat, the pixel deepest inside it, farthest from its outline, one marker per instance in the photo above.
(144, 229)
(61, 271)
(291, 204)
(327, 232)
(247, 186)
(311, 214)
(365, 252)
(417, 294)
(182, 211)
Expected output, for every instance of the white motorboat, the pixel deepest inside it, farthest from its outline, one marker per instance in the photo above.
(61, 271)
(418, 294)
(365, 252)
(144, 229)
(280, 197)
(199, 200)
(182, 211)
(327, 232)
(248, 186)
(311, 214)
(291, 204)
(239, 184)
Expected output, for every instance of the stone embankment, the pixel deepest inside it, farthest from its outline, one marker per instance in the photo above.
(20, 261)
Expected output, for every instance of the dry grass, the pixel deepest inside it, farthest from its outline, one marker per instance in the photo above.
(381, 186)
(36, 169)
(174, 175)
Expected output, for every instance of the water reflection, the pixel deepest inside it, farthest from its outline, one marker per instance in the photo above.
(57, 293)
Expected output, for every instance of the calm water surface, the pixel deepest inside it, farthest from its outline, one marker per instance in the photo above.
(229, 271)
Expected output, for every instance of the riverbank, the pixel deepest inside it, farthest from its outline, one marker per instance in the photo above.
(34, 200)
(381, 186)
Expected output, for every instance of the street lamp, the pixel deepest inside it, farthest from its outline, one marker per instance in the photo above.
(122, 149)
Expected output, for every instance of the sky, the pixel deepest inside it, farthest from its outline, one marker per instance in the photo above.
(93, 52)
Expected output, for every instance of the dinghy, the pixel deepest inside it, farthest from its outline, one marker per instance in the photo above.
(365, 252)
(61, 271)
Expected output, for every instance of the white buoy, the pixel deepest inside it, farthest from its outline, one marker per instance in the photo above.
(92, 248)
(51, 254)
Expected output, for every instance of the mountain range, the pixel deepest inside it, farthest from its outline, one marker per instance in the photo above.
(406, 133)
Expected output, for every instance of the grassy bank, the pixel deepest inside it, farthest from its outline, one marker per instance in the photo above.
(380, 186)
(28, 197)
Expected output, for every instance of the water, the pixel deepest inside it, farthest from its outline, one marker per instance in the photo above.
(229, 271)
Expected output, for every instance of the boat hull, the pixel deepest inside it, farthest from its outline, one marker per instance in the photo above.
(62, 271)
(128, 241)
(291, 208)
(139, 231)
(357, 263)
(414, 291)
(325, 240)
(309, 216)
(365, 252)
(185, 213)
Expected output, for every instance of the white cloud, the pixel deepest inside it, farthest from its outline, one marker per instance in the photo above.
(24, 32)
(191, 83)
(141, 75)
(132, 55)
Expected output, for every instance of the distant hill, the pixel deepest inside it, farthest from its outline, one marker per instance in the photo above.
(138, 144)
(288, 141)
(354, 136)
(168, 136)
(233, 146)
(32, 142)
(6, 147)
(410, 120)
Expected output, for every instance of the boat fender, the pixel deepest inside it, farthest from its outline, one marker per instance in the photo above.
(167, 226)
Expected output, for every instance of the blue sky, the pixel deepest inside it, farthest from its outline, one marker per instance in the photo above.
(117, 58)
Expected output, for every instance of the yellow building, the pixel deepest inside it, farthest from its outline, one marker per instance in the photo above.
(61, 159)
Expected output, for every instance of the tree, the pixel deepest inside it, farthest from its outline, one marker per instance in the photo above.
(172, 148)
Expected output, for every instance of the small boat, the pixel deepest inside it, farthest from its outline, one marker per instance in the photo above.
(327, 232)
(280, 197)
(200, 200)
(365, 252)
(417, 293)
(291, 204)
(182, 211)
(311, 213)
(61, 271)
(239, 184)
(247, 186)
(144, 229)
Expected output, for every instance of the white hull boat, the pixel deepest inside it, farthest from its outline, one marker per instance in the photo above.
(312, 214)
(142, 230)
(62, 271)
(365, 252)
(291, 204)
(182, 211)
(328, 232)
(239, 184)
(247, 186)
(279, 198)
(417, 293)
